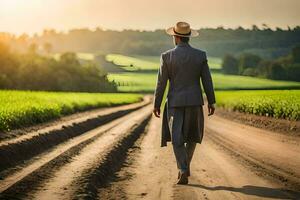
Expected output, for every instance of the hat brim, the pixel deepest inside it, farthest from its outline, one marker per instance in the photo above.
(170, 31)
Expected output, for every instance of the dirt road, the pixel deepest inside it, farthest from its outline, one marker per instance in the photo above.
(122, 159)
(219, 171)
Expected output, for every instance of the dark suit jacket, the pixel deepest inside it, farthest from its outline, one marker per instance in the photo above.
(184, 66)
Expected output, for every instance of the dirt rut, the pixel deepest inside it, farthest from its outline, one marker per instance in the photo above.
(103, 138)
(19, 149)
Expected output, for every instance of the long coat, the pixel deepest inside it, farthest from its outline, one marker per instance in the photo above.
(184, 67)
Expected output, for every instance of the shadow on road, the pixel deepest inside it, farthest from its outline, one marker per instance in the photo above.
(276, 193)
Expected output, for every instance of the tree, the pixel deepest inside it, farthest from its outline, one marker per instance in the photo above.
(250, 72)
(32, 49)
(255, 28)
(276, 71)
(293, 72)
(248, 60)
(47, 47)
(230, 65)
(296, 54)
(8, 66)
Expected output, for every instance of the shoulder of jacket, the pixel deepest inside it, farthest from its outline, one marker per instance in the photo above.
(167, 52)
(200, 51)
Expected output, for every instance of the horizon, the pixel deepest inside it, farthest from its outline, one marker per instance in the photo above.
(33, 16)
(260, 27)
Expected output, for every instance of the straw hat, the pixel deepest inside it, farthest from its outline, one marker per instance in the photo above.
(182, 29)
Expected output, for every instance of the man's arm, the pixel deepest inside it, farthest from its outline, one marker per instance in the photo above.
(208, 86)
(162, 79)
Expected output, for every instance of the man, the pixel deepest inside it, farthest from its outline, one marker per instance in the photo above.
(183, 120)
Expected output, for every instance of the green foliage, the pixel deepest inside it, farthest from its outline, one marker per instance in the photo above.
(234, 82)
(293, 72)
(230, 65)
(23, 108)
(276, 71)
(217, 42)
(31, 71)
(47, 47)
(249, 72)
(279, 104)
(134, 81)
(296, 54)
(282, 68)
(132, 63)
(248, 60)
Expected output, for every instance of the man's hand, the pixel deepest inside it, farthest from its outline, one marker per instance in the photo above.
(156, 112)
(211, 109)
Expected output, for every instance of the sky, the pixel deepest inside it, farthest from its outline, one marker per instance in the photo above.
(32, 16)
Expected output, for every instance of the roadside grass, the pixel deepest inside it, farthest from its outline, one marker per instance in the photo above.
(24, 108)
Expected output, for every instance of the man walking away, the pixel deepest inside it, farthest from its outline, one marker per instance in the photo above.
(183, 120)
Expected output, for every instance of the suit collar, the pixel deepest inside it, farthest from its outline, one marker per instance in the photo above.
(182, 44)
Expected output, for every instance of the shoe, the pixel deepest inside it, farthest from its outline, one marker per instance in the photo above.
(188, 173)
(183, 178)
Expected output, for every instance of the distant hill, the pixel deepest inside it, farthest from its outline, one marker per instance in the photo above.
(217, 42)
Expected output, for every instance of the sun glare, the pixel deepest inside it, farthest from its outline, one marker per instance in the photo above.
(13, 7)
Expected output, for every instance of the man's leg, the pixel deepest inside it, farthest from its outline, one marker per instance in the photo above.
(182, 163)
(190, 149)
(175, 118)
(181, 157)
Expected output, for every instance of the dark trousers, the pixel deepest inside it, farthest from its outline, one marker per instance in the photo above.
(183, 122)
(184, 154)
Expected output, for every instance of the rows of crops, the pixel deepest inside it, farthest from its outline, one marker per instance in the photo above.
(279, 104)
(22, 108)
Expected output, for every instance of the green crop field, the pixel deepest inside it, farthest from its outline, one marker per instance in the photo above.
(234, 82)
(134, 81)
(23, 108)
(139, 62)
(133, 63)
(144, 79)
(279, 103)
(145, 82)
(214, 63)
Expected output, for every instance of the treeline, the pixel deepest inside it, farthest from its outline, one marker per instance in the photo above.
(30, 71)
(282, 68)
(264, 42)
